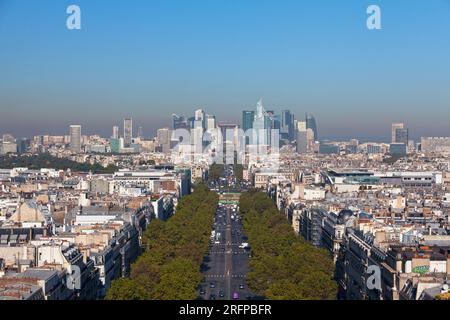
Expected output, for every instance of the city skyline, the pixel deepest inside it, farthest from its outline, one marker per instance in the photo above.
(245, 151)
(148, 133)
(316, 57)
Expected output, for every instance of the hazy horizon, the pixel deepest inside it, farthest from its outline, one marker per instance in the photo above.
(149, 59)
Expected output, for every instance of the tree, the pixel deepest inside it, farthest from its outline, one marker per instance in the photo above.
(179, 281)
(174, 250)
(126, 289)
(283, 265)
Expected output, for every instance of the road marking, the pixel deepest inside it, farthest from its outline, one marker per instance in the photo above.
(223, 276)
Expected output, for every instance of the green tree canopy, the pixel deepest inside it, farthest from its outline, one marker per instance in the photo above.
(283, 266)
(174, 251)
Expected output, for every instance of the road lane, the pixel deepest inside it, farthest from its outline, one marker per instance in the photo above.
(228, 264)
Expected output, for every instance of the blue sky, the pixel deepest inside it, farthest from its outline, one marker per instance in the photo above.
(151, 58)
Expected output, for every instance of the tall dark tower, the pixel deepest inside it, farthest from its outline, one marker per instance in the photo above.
(311, 124)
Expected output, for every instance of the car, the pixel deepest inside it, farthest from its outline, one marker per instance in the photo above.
(202, 291)
(235, 252)
(212, 297)
(212, 285)
(221, 294)
(235, 296)
(243, 245)
(241, 286)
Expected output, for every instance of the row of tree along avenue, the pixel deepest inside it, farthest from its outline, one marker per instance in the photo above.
(169, 268)
(283, 265)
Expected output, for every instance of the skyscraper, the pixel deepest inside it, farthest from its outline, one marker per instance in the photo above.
(247, 123)
(164, 136)
(311, 124)
(310, 139)
(179, 122)
(402, 136)
(127, 132)
(115, 133)
(140, 132)
(75, 138)
(191, 122)
(262, 125)
(199, 119)
(277, 122)
(302, 137)
(210, 122)
(396, 126)
(247, 119)
(287, 129)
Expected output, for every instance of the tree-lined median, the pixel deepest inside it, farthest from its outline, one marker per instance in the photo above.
(283, 265)
(169, 269)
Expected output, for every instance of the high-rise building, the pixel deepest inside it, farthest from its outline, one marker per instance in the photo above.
(302, 137)
(163, 136)
(402, 136)
(271, 119)
(310, 139)
(230, 140)
(302, 142)
(276, 122)
(262, 124)
(199, 119)
(247, 120)
(247, 123)
(311, 124)
(140, 132)
(300, 126)
(75, 138)
(127, 132)
(191, 123)
(210, 122)
(228, 132)
(287, 129)
(179, 122)
(197, 135)
(115, 133)
(396, 126)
